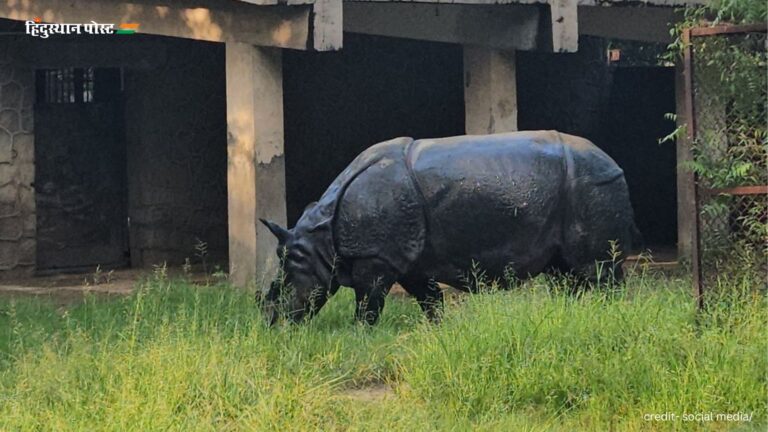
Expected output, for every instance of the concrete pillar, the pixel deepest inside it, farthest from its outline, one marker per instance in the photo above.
(256, 163)
(565, 25)
(490, 90)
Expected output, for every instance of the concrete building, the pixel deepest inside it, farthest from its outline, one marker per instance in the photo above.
(131, 150)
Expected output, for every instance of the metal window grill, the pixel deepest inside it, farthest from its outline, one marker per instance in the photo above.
(726, 108)
(67, 85)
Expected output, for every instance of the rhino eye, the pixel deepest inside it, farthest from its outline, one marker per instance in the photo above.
(292, 259)
(293, 264)
(297, 254)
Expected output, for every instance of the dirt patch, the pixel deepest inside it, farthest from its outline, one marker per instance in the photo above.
(371, 393)
(67, 289)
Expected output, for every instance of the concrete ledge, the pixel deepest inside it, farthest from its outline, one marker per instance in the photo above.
(503, 27)
(646, 24)
(277, 26)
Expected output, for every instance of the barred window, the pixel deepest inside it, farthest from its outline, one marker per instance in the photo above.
(67, 85)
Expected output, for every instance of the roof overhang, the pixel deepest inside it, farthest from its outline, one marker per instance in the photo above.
(549, 25)
(296, 24)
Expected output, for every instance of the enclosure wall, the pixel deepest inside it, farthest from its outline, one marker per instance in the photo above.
(177, 158)
(17, 171)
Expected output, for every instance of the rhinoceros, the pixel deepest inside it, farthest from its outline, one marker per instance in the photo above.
(423, 212)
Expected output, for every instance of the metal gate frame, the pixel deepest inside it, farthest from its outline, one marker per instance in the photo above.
(688, 35)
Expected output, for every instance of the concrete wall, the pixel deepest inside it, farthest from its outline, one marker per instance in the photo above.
(17, 201)
(255, 162)
(176, 145)
(175, 118)
(490, 91)
(177, 155)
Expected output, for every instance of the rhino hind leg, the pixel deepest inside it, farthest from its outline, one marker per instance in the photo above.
(599, 231)
(597, 261)
(371, 279)
(428, 294)
(598, 273)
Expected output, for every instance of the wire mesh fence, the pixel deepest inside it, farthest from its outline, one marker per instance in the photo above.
(726, 67)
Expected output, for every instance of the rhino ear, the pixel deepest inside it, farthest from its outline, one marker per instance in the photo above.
(324, 224)
(281, 233)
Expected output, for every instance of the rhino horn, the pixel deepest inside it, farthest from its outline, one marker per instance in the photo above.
(281, 233)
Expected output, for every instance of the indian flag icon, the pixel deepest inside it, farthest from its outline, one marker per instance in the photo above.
(127, 28)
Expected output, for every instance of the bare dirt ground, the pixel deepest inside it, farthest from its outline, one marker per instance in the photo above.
(374, 392)
(66, 289)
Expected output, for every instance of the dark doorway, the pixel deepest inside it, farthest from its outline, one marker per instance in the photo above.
(376, 88)
(80, 178)
(631, 127)
(622, 110)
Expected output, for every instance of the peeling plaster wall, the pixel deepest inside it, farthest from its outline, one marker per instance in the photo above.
(17, 171)
(177, 154)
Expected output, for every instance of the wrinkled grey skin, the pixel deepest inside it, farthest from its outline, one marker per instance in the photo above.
(422, 212)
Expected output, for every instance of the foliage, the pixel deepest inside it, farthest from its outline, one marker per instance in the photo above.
(177, 357)
(740, 11)
(732, 140)
(730, 93)
(730, 84)
(730, 101)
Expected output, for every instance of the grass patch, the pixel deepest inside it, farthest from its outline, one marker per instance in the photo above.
(177, 357)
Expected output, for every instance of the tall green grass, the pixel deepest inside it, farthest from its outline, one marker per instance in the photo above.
(177, 357)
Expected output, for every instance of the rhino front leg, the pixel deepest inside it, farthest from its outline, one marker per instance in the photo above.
(428, 294)
(371, 280)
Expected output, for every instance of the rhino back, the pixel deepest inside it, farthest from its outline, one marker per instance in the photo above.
(443, 203)
(589, 164)
(599, 210)
(324, 210)
(380, 214)
(322, 229)
(491, 199)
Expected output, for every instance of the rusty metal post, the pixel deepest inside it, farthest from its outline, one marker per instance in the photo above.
(698, 287)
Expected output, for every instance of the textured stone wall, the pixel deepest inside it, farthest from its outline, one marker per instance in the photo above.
(17, 200)
(177, 156)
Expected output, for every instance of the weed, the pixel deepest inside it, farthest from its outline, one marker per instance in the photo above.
(173, 356)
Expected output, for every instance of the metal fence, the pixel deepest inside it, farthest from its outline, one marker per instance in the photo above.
(727, 104)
